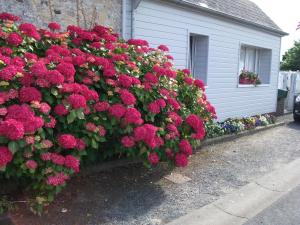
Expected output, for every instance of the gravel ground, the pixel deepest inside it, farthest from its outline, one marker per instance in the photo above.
(132, 195)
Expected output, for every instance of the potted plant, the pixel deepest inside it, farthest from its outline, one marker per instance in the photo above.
(247, 77)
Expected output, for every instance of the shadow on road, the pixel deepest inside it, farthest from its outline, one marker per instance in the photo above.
(294, 125)
(115, 195)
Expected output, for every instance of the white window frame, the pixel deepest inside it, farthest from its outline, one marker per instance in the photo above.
(189, 35)
(257, 65)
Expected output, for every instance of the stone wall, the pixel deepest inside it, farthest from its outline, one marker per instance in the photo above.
(77, 12)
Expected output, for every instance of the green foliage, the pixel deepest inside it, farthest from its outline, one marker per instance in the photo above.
(291, 59)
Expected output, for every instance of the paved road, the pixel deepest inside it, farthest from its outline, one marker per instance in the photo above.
(286, 211)
(134, 196)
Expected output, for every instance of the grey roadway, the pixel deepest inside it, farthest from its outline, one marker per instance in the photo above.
(131, 195)
(285, 211)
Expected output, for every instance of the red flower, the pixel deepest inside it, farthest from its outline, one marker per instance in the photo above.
(72, 163)
(58, 179)
(188, 80)
(151, 78)
(117, 110)
(109, 72)
(30, 30)
(154, 107)
(5, 156)
(127, 97)
(79, 60)
(125, 81)
(199, 84)
(67, 141)
(127, 142)
(68, 70)
(186, 71)
(61, 110)
(14, 39)
(8, 16)
(26, 116)
(181, 160)
(44, 108)
(101, 131)
(29, 94)
(176, 106)
(80, 145)
(101, 106)
(31, 164)
(194, 121)
(133, 116)
(55, 77)
(54, 26)
(46, 156)
(91, 127)
(138, 42)
(57, 159)
(77, 101)
(51, 123)
(185, 147)
(163, 48)
(39, 69)
(12, 129)
(153, 158)
(8, 73)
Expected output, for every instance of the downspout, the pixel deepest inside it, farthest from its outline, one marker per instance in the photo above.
(134, 5)
(124, 18)
(132, 18)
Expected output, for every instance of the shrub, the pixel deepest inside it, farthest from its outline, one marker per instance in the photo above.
(73, 96)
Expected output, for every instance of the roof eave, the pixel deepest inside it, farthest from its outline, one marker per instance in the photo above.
(191, 5)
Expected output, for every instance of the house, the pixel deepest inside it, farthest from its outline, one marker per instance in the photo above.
(216, 39)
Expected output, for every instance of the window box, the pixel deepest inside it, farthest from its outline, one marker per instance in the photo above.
(247, 77)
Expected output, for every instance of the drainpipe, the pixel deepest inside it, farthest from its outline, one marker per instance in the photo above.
(124, 18)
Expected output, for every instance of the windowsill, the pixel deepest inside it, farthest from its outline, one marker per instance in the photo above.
(252, 85)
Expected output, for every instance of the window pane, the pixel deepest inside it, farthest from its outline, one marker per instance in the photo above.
(242, 59)
(250, 59)
(199, 56)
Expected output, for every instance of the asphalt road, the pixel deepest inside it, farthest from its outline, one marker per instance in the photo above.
(285, 211)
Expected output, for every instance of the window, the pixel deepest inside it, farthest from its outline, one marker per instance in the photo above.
(254, 60)
(198, 56)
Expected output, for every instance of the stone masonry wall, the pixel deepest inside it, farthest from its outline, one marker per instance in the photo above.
(77, 12)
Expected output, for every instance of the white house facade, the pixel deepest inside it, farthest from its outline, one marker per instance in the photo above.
(216, 39)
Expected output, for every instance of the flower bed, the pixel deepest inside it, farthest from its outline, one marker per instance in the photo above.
(233, 126)
(247, 77)
(80, 95)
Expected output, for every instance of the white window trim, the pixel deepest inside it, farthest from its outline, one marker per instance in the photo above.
(238, 67)
(252, 85)
(189, 33)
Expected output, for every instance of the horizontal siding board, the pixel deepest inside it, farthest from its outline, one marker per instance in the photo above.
(163, 23)
(200, 26)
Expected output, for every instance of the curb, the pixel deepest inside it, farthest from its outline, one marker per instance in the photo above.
(230, 137)
(245, 203)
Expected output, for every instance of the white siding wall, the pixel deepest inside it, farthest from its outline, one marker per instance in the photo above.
(163, 23)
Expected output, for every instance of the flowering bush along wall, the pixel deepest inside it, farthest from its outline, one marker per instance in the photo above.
(76, 95)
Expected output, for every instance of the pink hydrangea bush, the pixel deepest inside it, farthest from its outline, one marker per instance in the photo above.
(67, 95)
